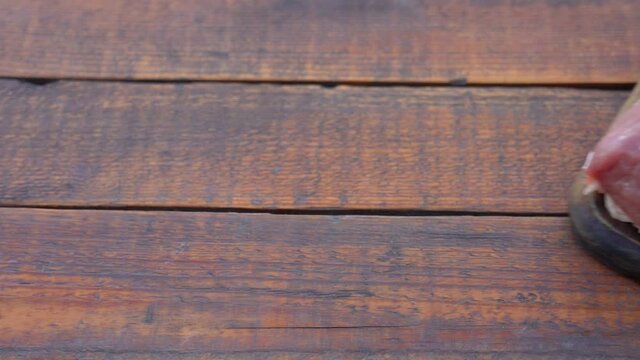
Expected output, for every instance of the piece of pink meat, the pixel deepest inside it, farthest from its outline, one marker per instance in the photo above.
(615, 164)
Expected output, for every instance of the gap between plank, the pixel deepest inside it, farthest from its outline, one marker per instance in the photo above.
(325, 212)
(332, 85)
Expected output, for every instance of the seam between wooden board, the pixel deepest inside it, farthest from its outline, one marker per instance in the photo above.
(285, 211)
(329, 85)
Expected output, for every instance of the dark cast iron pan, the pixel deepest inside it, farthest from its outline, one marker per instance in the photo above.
(615, 243)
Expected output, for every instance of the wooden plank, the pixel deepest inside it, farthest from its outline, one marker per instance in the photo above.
(498, 41)
(290, 355)
(296, 147)
(190, 282)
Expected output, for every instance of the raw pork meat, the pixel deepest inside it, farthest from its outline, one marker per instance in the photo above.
(614, 166)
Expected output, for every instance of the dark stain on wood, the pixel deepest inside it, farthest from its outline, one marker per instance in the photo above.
(149, 315)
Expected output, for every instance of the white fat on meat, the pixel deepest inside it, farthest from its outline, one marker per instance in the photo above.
(614, 210)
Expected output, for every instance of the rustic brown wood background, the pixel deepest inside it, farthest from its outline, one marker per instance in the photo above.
(290, 179)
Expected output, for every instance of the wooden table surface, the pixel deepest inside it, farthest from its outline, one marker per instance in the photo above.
(288, 179)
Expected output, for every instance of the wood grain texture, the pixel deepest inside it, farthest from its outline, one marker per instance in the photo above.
(296, 147)
(496, 41)
(192, 283)
(292, 355)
